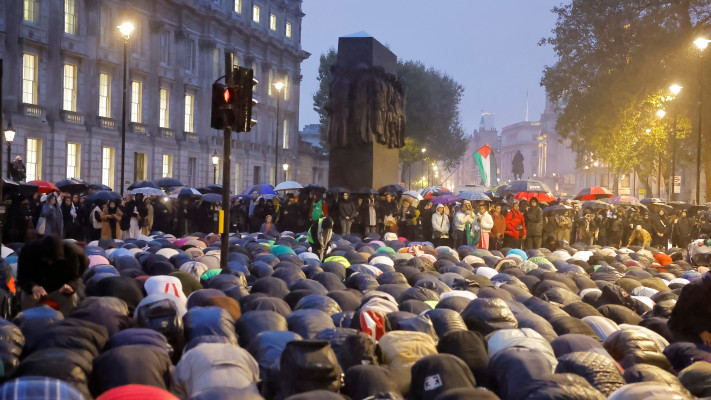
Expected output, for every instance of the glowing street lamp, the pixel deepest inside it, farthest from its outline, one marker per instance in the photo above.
(126, 28)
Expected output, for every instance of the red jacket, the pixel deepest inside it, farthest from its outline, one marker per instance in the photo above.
(513, 219)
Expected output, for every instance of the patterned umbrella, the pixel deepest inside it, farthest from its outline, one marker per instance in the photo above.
(529, 189)
(45, 187)
(434, 191)
(593, 193)
(625, 200)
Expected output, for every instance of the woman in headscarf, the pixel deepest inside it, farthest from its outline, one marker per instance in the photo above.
(69, 218)
(110, 217)
(147, 223)
(53, 221)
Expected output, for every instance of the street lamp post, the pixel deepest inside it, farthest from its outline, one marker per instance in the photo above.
(126, 28)
(675, 89)
(278, 86)
(285, 167)
(422, 170)
(215, 161)
(660, 114)
(9, 137)
(701, 43)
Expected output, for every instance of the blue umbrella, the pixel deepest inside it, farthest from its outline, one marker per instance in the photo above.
(168, 182)
(142, 184)
(104, 195)
(99, 186)
(262, 188)
(473, 195)
(188, 193)
(71, 186)
(211, 197)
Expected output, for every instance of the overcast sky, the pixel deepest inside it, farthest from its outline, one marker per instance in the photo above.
(488, 46)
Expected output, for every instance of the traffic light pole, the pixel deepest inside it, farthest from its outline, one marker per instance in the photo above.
(224, 239)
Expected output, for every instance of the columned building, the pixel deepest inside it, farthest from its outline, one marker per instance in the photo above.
(62, 88)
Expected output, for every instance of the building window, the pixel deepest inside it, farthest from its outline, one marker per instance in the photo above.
(164, 109)
(29, 78)
(256, 176)
(167, 165)
(73, 160)
(285, 135)
(192, 169)
(271, 82)
(238, 6)
(106, 29)
(286, 88)
(238, 180)
(105, 95)
(255, 14)
(69, 97)
(136, 101)
(29, 12)
(139, 167)
(216, 69)
(107, 166)
(287, 30)
(189, 98)
(272, 170)
(190, 55)
(70, 17)
(33, 157)
(165, 47)
(272, 22)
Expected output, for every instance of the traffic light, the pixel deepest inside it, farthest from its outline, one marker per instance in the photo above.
(244, 80)
(223, 115)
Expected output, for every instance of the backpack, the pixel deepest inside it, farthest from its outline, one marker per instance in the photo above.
(308, 365)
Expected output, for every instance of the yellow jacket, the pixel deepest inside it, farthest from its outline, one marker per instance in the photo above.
(642, 235)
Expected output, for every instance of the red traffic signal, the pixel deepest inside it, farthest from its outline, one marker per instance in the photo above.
(227, 95)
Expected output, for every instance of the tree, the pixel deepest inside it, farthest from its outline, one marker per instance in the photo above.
(615, 62)
(432, 109)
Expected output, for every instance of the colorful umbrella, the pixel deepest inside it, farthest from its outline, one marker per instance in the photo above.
(262, 188)
(433, 191)
(445, 199)
(593, 193)
(540, 196)
(45, 187)
(529, 189)
(625, 200)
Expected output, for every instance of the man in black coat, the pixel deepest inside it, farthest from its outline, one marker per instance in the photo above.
(659, 230)
(534, 225)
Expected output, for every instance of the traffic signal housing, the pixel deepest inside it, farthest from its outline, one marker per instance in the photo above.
(223, 113)
(232, 105)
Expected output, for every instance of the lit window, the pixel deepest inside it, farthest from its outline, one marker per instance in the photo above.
(167, 165)
(286, 88)
(238, 180)
(107, 166)
(105, 95)
(287, 30)
(29, 78)
(255, 14)
(165, 46)
(164, 109)
(33, 157)
(238, 6)
(139, 167)
(29, 12)
(106, 28)
(69, 17)
(216, 69)
(188, 113)
(73, 160)
(271, 82)
(136, 101)
(285, 135)
(69, 97)
(272, 22)
(192, 168)
(190, 55)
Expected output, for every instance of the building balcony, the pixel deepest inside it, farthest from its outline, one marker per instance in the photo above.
(71, 117)
(32, 110)
(139, 129)
(106, 123)
(166, 133)
(191, 137)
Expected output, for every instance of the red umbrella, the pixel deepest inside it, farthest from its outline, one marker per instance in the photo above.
(45, 187)
(541, 196)
(593, 193)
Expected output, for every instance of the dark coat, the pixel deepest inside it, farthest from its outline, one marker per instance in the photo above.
(534, 221)
(50, 263)
(692, 313)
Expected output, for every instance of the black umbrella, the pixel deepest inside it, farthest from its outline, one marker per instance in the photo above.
(338, 189)
(168, 182)
(212, 198)
(99, 186)
(104, 195)
(559, 207)
(694, 209)
(596, 205)
(391, 189)
(28, 189)
(315, 189)
(679, 205)
(367, 190)
(142, 184)
(71, 186)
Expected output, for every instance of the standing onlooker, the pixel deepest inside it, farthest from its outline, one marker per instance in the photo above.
(347, 212)
(486, 223)
(407, 219)
(69, 219)
(515, 228)
(463, 217)
(659, 230)
(53, 223)
(426, 212)
(534, 225)
(564, 226)
(440, 226)
(110, 218)
(147, 221)
(318, 208)
(496, 239)
(683, 230)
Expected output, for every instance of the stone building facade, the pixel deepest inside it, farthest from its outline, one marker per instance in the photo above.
(63, 68)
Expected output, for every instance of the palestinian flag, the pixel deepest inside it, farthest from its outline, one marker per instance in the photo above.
(486, 161)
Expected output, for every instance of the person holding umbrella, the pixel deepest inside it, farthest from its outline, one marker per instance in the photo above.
(515, 228)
